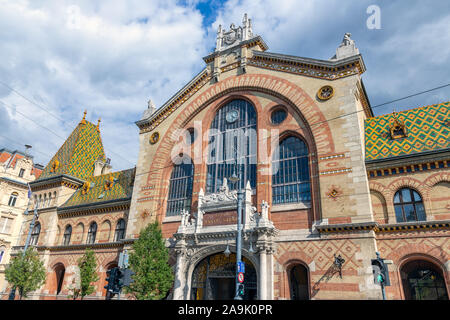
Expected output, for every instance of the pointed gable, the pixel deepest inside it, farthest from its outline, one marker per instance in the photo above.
(77, 155)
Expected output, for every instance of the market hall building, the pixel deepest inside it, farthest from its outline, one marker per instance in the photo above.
(326, 184)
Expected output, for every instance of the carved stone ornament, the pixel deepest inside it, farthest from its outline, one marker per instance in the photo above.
(235, 35)
(154, 138)
(325, 93)
(109, 183)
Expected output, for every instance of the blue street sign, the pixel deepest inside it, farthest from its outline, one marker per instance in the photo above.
(241, 266)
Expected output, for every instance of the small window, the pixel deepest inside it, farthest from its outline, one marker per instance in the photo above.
(278, 116)
(408, 206)
(67, 235)
(120, 230)
(21, 172)
(5, 225)
(2, 252)
(92, 233)
(12, 199)
(35, 234)
(191, 135)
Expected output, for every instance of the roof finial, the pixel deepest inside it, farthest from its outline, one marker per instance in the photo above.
(83, 121)
(98, 124)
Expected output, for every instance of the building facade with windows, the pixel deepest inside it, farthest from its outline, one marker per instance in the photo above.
(80, 204)
(16, 170)
(326, 184)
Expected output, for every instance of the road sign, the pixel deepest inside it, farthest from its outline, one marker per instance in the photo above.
(241, 277)
(241, 266)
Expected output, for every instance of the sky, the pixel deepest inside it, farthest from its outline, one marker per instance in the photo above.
(59, 58)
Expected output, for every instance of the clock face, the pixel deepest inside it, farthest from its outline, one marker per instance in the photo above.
(232, 116)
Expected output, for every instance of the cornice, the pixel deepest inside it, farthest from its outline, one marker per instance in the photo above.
(146, 125)
(59, 180)
(94, 208)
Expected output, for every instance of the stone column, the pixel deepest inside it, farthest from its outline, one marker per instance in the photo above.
(262, 283)
(180, 281)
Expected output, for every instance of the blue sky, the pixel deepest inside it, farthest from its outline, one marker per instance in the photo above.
(110, 57)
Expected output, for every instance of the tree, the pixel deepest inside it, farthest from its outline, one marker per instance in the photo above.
(88, 274)
(26, 272)
(153, 276)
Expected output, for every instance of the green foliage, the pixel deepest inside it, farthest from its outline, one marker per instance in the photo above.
(153, 276)
(88, 274)
(26, 272)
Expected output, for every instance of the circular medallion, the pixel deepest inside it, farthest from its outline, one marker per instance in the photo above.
(232, 115)
(154, 138)
(325, 93)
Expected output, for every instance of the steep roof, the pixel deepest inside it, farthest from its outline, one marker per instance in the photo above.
(77, 155)
(99, 191)
(427, 130)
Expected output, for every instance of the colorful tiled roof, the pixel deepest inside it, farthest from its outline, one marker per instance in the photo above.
(106, 187)
(427, 130)
(77, 155)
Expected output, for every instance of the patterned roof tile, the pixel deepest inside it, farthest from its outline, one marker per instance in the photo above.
(427, 129)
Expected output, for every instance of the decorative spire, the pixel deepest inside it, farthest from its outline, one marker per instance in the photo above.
(83, 121)
(98, 124)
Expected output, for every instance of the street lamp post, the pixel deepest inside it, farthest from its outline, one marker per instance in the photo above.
(240, 196)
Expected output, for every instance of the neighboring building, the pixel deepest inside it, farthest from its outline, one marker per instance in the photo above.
(326, 184)
(80, 204)
(16, 170)
(336, 180)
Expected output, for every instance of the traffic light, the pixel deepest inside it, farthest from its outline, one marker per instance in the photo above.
(241, 290)
(118, 283)
(380, 272)
(127, 280)
(110, 279)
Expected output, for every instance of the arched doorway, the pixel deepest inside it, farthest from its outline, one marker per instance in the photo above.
(298, 282)
(423, 280)
(60, 270)
(214, 278)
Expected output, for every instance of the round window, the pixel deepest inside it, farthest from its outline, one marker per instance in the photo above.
(278, 116)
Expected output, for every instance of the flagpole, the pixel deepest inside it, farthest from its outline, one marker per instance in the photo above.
(12, 294)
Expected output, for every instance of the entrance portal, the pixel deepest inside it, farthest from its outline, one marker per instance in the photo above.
(214, 278)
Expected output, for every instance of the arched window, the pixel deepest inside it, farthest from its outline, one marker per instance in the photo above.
(67, 235)
(290, 172)
(408, 206)
(120, 230)
(12, 199)
(422, 280)
(180, 188)
(44, 204)
(92, 233)
(232, 137)
(35, 234)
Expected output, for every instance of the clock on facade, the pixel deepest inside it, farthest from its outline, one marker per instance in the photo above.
(232, 115)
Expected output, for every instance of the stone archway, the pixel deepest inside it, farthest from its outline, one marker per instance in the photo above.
(214, 278)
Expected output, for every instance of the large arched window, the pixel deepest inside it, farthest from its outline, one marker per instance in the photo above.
(290, 169)
(408, 206)
(13, 199)
(92, 233)
(35, 234)
(67, 235)
(232, 137)
(120, 230)
(180, 188)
